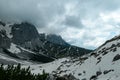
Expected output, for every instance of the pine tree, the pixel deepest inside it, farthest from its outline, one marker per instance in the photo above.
(11, 72)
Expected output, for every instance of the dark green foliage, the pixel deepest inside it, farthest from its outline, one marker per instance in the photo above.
(17, 73)
(60, 78)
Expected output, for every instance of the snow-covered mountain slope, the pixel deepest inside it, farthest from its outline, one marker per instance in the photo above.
(15, 51)
(5, 59)
(50, 45)
(101, 64)
(18, 54)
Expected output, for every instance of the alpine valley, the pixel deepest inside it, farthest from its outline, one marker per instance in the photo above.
(21, 43)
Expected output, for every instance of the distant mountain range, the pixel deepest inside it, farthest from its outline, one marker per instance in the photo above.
(22, 41)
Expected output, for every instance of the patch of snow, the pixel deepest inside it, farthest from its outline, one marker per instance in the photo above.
(26, 50)
(14, 49)
(48, 67)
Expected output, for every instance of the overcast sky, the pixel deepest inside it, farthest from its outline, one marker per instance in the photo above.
(85, 23)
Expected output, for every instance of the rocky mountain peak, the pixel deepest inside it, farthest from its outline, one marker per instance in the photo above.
(56, 39)
(24, 32)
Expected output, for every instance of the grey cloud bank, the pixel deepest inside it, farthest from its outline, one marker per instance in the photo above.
(85, 23)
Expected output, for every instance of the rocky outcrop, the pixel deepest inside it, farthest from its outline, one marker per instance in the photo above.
(4, 40)
(23, 32)
(56, 39)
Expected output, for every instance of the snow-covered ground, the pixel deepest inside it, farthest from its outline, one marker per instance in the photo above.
(14, 49)
(99, 65)
(10, 60)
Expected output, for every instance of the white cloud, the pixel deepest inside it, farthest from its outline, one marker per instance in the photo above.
(95, 31)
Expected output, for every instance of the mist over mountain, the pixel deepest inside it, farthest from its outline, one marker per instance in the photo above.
(22, 41)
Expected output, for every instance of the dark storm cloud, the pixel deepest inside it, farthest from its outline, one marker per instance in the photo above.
(73, 21)
(41, 12)
(38, 12)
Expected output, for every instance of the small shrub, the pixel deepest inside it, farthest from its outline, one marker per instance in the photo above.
(118, 44)
(104, 53)
(60, 78)
(94, 77)
(92, 54)
(79, 74)
(107, 71)
(117, 57)
(98, 73)
(115, 49)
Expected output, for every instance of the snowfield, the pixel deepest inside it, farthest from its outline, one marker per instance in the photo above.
(14, 49)
(102, 64)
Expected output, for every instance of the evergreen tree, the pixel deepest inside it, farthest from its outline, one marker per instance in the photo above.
(11, 72)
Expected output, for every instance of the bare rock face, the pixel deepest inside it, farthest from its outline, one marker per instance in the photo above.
(23, 32)
(56, 39)
(4, 40)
